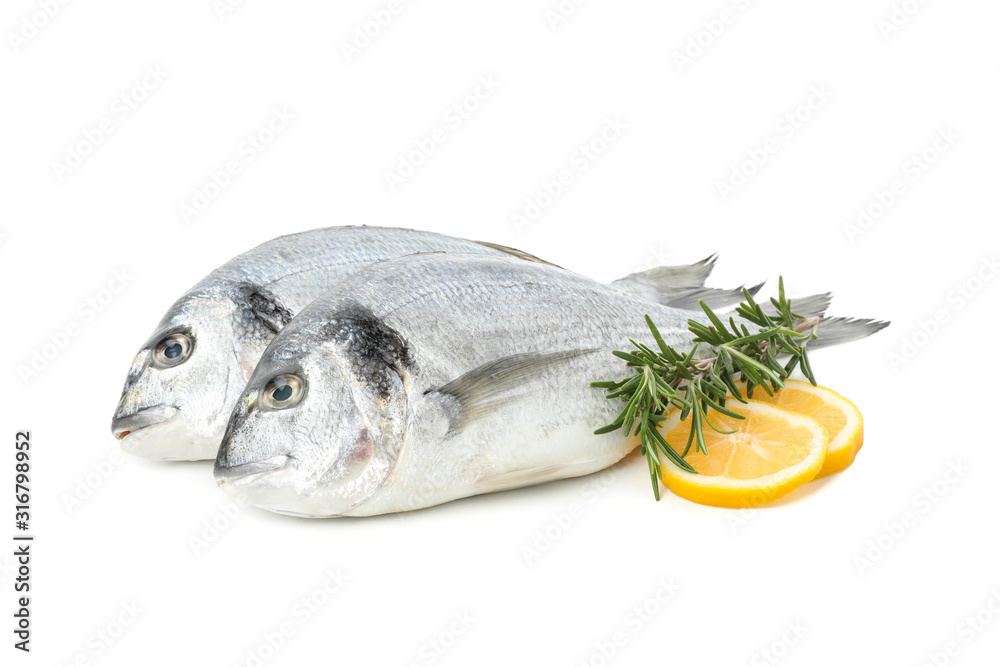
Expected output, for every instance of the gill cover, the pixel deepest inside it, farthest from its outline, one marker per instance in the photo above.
(376, 362)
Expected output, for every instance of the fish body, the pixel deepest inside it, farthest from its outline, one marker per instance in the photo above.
(435, 377)
(184, 381)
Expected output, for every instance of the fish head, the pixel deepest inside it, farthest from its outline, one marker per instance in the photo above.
(185, 379)
(323, 419)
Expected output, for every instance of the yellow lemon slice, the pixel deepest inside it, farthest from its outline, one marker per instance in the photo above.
(771, 452)
(837, 414)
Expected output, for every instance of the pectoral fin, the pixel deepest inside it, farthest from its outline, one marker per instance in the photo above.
(488, 388)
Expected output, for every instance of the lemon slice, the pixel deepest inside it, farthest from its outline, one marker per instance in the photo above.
(772, 452)
(837, 414)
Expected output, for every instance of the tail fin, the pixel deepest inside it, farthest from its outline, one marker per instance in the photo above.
(681, 286)
(832, 330)
(806, 306)
(714, 298)
(684, 286)
(837, 330)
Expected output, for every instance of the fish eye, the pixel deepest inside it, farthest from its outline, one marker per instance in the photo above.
(172, 351)
(283, 391)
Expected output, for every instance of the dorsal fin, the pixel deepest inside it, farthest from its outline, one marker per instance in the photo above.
(490, 387)
(520, 254)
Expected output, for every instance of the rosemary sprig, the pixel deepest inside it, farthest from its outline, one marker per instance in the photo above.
(665, 378)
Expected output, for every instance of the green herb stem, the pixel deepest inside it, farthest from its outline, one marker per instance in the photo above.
(665, 379)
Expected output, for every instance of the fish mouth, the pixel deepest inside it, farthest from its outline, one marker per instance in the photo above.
(247, 472)
(122, 427)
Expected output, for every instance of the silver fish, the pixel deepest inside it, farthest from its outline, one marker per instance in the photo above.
(434, 377)
(186, 378)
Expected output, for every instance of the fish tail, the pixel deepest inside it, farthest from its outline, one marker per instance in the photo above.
(681, 286)
(832, 330)
(806, 306)
(837, 330)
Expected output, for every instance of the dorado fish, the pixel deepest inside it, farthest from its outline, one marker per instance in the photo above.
(435, 377)
(184, 381)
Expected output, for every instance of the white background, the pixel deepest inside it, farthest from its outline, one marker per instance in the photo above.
(651, 197)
